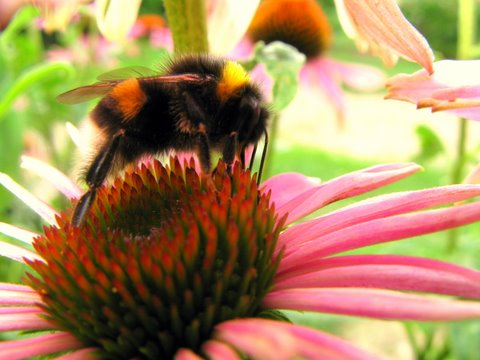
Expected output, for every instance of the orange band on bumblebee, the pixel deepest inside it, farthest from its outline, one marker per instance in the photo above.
(130, 97)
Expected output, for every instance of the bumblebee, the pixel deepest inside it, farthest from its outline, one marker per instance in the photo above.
(198, 103)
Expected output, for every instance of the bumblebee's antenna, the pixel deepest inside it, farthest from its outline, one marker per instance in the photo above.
(262, 159)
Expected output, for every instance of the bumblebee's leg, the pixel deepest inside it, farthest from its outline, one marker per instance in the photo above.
(196, 115)
(230, 149)
(96, 175)
(203, 150)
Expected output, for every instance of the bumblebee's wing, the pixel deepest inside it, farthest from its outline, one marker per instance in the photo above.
(85, 93)
(127, 73)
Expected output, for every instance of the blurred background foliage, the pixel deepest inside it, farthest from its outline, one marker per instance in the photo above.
(35, 67)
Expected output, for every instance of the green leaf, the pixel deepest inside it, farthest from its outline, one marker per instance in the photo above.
(283, 63)
(430, 144)
(58, 70)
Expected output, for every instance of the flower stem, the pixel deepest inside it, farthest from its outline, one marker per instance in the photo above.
(457, 175)
(466, 30)
(187, 21)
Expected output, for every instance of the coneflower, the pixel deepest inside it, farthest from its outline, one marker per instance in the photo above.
(171, 265)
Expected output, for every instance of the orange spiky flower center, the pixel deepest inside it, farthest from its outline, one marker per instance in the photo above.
(163, 257)
(300, 23)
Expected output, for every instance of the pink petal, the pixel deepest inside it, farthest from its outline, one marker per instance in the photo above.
(412, 88)
(345, 186)
(268, 339)
(471, 113)
(464, 92)
(18, 233)
(374, 208)
(23, 322)
(357, 76)
(186, 354)
(381, 230)
(19, 310)
(55, 177)
(317, 73)
(287, 186)
(385, 272)
(454, 87)
(16, 287)
(17, 253)
(83, 354)
(38, 345)
(216, 350)
(19, 298)
(37, 205)
(381, 27)
(382, 304)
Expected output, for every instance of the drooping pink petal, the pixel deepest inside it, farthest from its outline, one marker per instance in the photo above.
(17, 253)
(268, 339)
(83, 354)
(375, 303)
(18, 233)
(54, 176)
(412, 88)
(374, 208)
(349, 185)
(38, 345)
(453, 87)
(20, 297)
(317, 73)
(37, 205)
(381, 28)
(385, 272)
(217, 350)
(23, 322)
(379, 231)
(464, 92)
(357, 76)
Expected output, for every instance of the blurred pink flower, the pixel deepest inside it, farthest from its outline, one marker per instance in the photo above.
(453, 87)
(381, 28)
(308, 269)
(153, 27)
(303, 24)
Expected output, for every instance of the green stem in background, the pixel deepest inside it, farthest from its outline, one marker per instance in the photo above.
(466, 30)
(187, 20)
(36, 75)
(457, 175)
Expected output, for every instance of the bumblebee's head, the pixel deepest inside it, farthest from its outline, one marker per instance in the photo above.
(242, 107)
